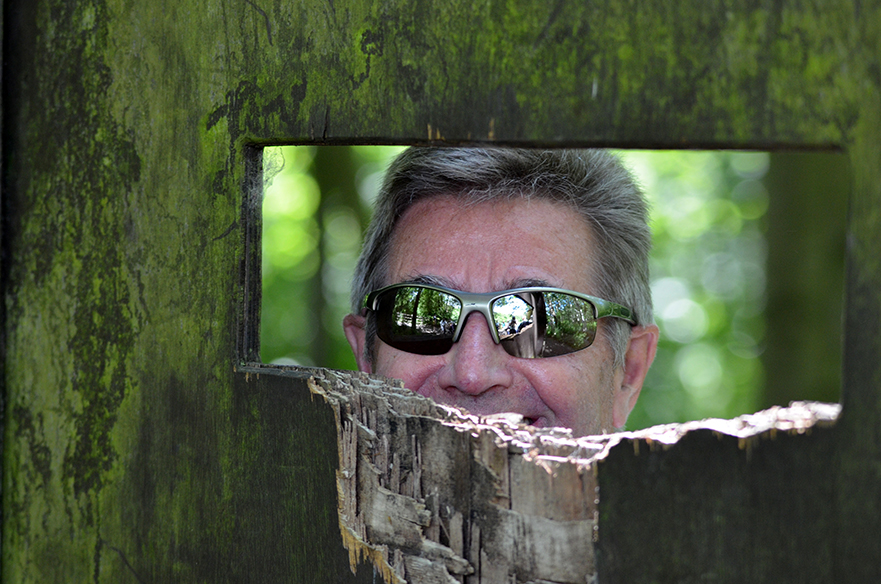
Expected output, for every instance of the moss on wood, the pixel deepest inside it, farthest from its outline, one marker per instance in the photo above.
(126, 127)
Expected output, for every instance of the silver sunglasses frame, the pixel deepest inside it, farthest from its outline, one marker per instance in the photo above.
(481, 303)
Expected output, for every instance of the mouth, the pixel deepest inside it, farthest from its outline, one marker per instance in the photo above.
(515, 418)
(535, 420)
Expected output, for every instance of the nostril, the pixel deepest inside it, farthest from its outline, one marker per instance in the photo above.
(475, 364)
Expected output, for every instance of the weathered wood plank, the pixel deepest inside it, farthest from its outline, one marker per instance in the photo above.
(696, 74)
(419, 481)
(126, 127)
(723, 507)
(529, 506)
(858, 488)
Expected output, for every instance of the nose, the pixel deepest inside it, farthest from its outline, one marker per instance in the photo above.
(475, 364)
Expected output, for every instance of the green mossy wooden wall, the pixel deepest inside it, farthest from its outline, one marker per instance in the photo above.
(130, 450)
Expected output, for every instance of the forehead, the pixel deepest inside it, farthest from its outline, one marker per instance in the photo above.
(482, 247)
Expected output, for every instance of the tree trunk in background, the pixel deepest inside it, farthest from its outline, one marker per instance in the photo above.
(805, 271)
(334, 169)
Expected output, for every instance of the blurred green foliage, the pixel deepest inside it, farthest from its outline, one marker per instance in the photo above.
(708, 269)
(310, 246)
(708, 283)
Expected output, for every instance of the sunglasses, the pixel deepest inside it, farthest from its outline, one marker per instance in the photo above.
(528, 322)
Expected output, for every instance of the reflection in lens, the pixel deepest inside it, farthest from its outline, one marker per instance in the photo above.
(511, 313)
(422, 320)
(417, 320)
(513, 316)
(571, 324)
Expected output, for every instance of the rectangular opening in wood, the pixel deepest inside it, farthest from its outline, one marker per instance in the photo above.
(747, 270)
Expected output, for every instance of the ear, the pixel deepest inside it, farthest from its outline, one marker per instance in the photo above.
(354, 327)
(640, 354)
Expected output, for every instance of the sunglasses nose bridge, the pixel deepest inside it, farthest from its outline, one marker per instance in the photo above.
(480, 306)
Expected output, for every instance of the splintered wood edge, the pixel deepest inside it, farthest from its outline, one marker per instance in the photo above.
(402, 547)
(548, 449)
(749, 429)
(353, 535)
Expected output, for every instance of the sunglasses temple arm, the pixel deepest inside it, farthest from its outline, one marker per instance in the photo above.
(606, 308)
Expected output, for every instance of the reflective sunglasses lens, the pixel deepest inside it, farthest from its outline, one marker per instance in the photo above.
(571, 324)
(417, 320)
(544, 324)
(518, 323)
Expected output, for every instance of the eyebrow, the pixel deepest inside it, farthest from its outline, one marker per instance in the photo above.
(530, 282)
(446, 283)
(430, 280)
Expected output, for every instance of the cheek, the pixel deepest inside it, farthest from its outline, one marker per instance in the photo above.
(579, 391)
(413, 370)
(561, 385)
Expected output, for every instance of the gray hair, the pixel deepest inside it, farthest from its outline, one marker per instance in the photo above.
(591, 182)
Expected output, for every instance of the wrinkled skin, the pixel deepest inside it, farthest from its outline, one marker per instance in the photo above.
(495, 246)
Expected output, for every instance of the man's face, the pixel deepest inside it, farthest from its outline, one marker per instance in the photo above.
(486, 248)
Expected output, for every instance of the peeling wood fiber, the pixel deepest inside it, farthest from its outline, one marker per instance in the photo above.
(429, 494)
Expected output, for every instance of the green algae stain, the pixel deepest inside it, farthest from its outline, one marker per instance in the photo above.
(74, 216)
(29, 428)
